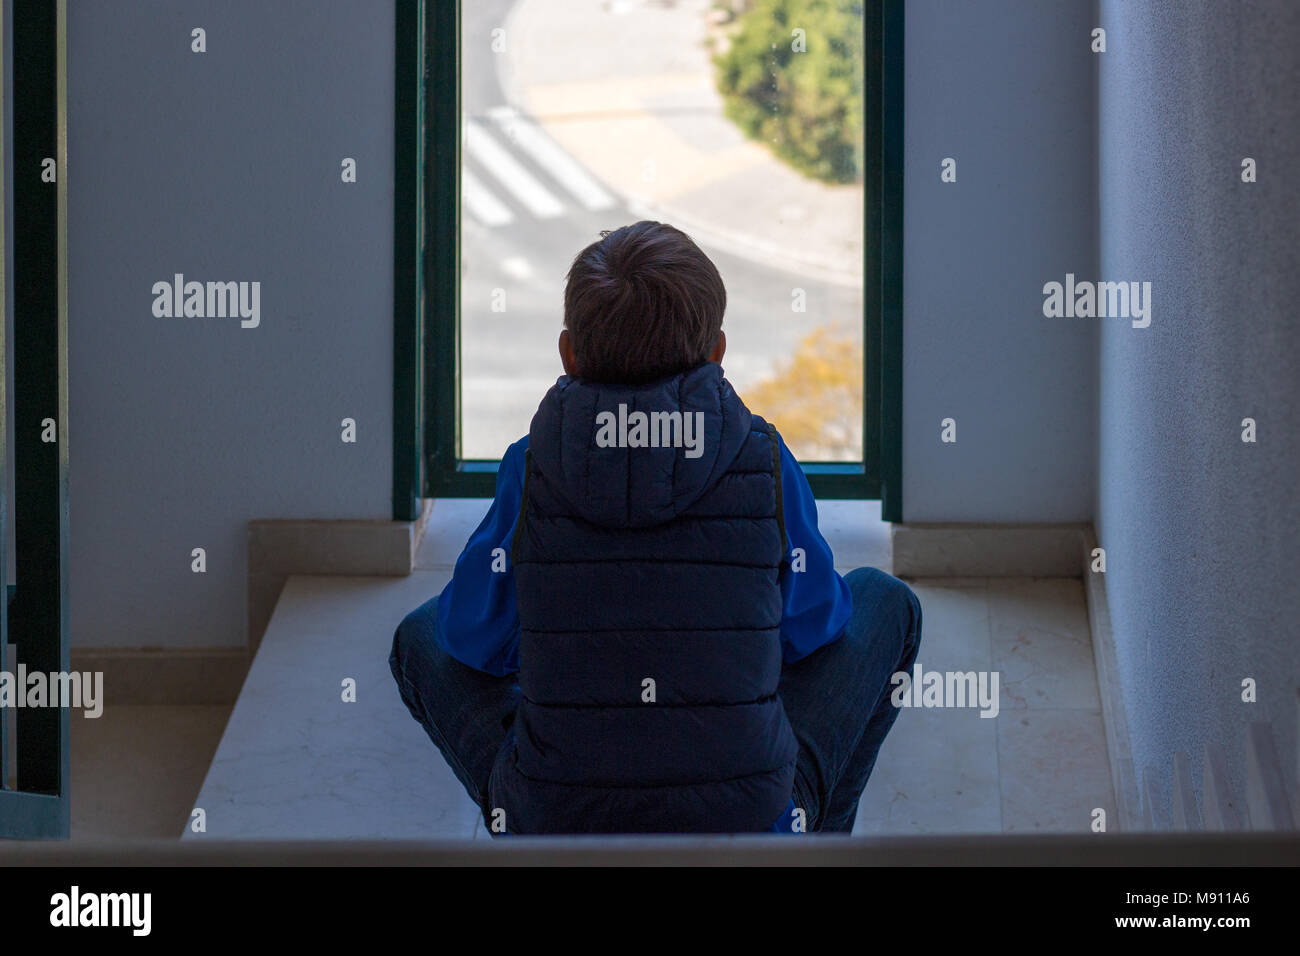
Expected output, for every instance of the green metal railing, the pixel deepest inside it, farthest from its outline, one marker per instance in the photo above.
(35, 617)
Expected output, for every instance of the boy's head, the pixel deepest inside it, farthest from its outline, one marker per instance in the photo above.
(640, 304)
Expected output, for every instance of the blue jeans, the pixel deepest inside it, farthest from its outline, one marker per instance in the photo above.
(837, 699)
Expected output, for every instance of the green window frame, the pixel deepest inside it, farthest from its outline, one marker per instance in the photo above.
(426, 335)
(34, 611)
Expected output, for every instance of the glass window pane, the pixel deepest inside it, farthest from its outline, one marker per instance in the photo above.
(737, 122)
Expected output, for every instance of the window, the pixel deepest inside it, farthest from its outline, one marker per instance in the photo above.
(776, 145)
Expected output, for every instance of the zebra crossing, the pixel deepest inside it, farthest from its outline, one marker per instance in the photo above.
(496, 184)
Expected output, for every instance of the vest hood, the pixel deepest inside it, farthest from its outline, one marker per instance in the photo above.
(634, 456)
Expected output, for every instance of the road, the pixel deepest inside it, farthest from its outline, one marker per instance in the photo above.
(528, 208)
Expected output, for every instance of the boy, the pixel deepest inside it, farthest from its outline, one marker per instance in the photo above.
(630, 642)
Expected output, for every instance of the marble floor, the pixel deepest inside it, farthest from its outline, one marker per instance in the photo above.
(1040, 765)
(136, 769)
(297, 761)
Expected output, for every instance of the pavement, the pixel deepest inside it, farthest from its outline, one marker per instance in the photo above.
(640, 111)
(629, 127)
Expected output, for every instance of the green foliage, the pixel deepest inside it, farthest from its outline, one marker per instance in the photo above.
(806, 106)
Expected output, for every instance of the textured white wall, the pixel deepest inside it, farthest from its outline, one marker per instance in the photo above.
(1202, 532)
(222, 165)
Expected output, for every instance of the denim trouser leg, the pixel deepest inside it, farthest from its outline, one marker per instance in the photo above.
(838, 698)
(465, 712)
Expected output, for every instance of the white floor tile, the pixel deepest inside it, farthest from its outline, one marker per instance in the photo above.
(297, 762)
(937, 772)
(451, 523)
(136, 769)
(1042, 645)
(857, 536)
(1054, 769)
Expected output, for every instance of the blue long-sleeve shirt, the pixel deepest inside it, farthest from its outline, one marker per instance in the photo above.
(478, 622)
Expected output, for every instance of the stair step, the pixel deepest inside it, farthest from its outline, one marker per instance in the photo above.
(297, 762)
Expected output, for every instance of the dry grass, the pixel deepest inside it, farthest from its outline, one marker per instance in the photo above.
(815, 397)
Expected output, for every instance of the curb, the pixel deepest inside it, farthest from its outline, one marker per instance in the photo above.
(741, 245)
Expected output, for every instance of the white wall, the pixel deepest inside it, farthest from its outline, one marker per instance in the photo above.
(1202, 531)
(222, 165)
(1007, 88)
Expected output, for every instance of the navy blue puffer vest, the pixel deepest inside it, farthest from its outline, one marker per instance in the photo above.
(648, 564)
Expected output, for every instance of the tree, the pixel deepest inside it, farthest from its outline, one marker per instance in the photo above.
(814, 398)
(791, 77)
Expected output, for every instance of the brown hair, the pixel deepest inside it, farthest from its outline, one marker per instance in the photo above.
(642, 303)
